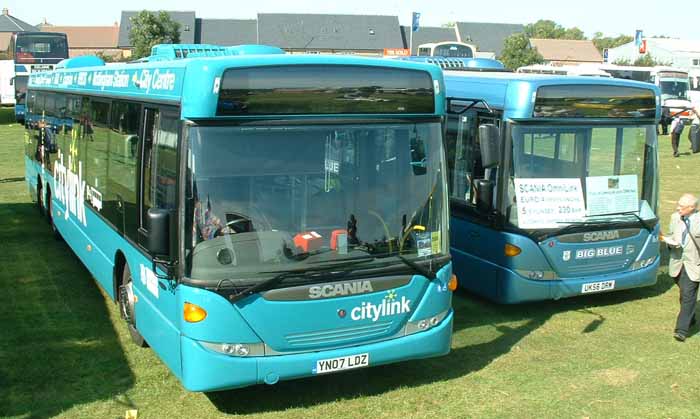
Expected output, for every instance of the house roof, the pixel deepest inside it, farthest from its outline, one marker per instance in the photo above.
(9, 23)
(567, 50)
(336, 32)
(185, 19)
(88, 36)
(487, 37)
(426, 35)
(226, 31)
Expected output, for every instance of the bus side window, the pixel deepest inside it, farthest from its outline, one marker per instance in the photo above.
(462, 157)
(150, 119)
(165, 163)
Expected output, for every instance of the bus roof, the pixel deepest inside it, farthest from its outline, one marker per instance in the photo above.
(182, 81)
(514, 92)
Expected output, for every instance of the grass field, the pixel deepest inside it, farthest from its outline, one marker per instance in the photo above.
(64, 352)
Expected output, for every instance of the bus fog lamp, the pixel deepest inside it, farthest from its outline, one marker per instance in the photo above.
(434, 321)
(423, 324)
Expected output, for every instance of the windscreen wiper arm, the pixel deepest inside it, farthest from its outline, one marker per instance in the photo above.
(301, 273)
(648, 227)
(426, 272)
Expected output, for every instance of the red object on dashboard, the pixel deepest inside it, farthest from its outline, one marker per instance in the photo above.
(308, 241)
(334, 238)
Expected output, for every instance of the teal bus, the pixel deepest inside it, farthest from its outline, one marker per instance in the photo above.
(553, 182)
(256, 216)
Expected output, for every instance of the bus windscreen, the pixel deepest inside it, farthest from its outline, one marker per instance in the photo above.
(322, 90)
(32, 46)
(594, 101)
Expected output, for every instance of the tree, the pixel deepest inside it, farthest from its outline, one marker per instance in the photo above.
(601, 42)
(549, 29)
(518, 52)
(647, 60)
(149, 29)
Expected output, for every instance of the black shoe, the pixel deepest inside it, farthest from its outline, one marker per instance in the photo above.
(676, 154)
(679, 337)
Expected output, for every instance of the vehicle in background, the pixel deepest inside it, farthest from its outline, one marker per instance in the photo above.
(566, 70)
(672, 82)
(31, 52)
(447, 49)
(257, 216)
(7, 88)
(694, 87)
(553, 184)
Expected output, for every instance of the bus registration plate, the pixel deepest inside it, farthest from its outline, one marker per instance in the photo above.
(598, 286)
(343, 363)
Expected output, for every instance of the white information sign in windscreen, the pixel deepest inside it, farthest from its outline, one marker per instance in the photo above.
(547, 203)
(611, 194)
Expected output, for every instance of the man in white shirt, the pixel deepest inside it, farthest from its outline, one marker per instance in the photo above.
(683, 240)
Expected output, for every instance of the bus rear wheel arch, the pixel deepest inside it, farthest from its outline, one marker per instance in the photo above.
(127, 309)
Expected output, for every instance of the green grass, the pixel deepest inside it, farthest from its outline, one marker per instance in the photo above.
(65, 353)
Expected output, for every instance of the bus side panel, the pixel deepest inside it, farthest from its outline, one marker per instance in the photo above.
(96, 246)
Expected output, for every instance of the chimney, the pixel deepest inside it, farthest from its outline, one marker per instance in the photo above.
(5, 11)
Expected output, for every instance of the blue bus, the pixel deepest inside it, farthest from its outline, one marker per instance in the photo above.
(553, 183)
(256, 216)
(33, 52)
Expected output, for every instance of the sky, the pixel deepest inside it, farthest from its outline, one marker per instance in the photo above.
(612, 17)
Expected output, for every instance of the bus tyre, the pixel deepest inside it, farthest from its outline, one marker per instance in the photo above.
(49, 215)
(39, 197)
(127, 310)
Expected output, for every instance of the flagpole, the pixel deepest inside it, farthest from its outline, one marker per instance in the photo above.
(410, 42)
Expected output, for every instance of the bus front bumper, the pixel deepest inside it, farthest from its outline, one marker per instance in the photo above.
(205, 370)
(517, 289)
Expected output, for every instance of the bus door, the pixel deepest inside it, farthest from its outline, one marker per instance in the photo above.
(157, 316)
(472, 234)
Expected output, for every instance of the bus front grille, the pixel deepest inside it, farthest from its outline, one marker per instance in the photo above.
(338, 336)
(597, 267)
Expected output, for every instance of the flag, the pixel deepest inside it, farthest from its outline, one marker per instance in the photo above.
(415, 25)
(638, 38)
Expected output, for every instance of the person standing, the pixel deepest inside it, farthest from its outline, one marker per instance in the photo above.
(676, 131)
(683, 240)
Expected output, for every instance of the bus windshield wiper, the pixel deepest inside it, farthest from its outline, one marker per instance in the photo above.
(426, 272)
(642, 221)
(572, 227)
(297, 273)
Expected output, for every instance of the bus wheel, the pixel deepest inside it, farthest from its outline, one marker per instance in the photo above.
(39, 196)
(49, 215)
(127, 310)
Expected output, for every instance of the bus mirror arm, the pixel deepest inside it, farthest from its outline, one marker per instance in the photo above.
(489, 145)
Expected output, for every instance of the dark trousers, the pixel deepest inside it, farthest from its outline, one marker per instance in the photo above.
(689, 296)
(675, 141)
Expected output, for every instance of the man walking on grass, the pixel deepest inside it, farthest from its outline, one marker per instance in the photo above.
(683, 240)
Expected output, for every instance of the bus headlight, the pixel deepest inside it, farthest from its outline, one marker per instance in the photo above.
(240, 350)
(424, 324)
(642, 263)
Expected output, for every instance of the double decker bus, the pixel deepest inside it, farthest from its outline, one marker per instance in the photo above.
(553, 184)
(30, 52)
(257, 216)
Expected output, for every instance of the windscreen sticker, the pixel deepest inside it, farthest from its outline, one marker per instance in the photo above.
(435, 241)
(612, 194)
(547, 203)
(424, 245)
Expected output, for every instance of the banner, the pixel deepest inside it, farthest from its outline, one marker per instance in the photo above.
(415, 25)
